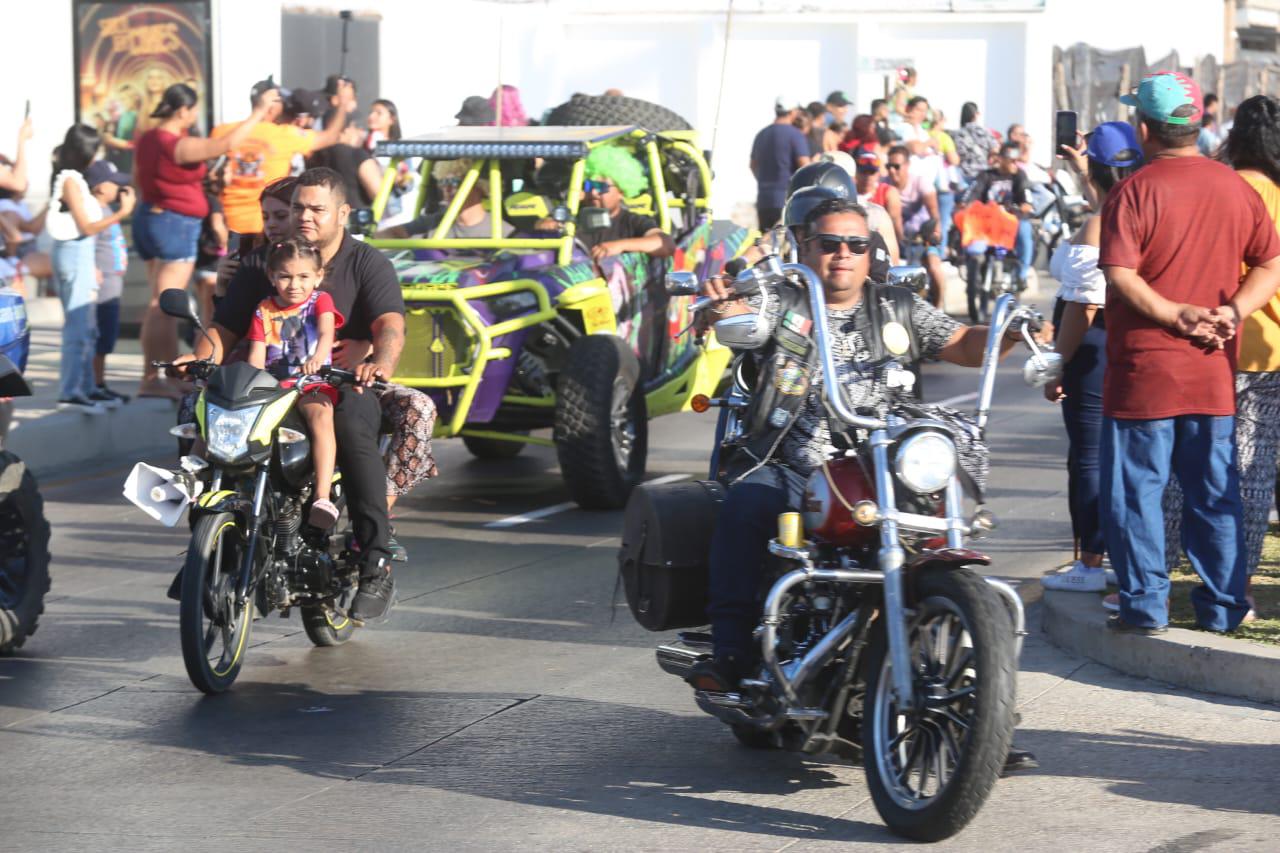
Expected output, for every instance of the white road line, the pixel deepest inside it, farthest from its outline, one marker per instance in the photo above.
(534, 515)
(958, 399)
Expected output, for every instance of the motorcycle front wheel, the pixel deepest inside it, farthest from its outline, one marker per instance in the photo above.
(931, 768)
(215, 633)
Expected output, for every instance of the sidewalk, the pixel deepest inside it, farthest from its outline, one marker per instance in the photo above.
(50, 441)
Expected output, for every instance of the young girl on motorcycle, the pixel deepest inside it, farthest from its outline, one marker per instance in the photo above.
(292, 335)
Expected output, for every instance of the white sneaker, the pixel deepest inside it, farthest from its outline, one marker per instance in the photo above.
(1078, 578)
(1111, 602)
(82, 405)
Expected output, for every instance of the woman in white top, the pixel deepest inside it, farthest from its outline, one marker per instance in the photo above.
(74, 219)
(1112, 153)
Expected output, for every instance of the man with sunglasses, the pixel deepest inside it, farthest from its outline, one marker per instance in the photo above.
(918, 217)
(787, 430)
(1007, 185)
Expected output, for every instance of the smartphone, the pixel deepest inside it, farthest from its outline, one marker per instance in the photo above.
(1066, 125)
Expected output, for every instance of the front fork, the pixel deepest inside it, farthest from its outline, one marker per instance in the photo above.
(246, 570)
(891, 559)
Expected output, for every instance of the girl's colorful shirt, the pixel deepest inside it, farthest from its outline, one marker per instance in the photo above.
(291, 332)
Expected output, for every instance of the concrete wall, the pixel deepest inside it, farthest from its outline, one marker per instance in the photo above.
(434, 53)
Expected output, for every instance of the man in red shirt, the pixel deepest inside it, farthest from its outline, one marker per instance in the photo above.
(1173, 238)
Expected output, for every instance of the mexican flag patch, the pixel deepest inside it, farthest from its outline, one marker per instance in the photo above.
(795, 323)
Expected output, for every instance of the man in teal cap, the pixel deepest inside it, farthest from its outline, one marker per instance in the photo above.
(1174, 236)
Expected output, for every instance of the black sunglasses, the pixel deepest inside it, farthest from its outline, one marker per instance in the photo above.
(831, 243)
(893, 167)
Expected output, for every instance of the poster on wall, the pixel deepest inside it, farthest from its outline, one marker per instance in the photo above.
(127, 54)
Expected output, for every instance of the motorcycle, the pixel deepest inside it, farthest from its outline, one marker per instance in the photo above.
(251, 549)
(879, 640)
(24, 531)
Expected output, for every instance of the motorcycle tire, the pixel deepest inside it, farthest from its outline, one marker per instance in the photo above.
(325, 627)
(601, 422)
(753, 738)
(604, 110)
(24, 553)
(203, 585)
(980, 678)
(973, 283)
(491, 448)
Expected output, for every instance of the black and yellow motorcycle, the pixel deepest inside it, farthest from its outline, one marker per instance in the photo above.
(251, 546)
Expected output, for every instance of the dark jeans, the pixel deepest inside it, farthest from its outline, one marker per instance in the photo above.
(1138, 457)
(768, 216)
(1082, 415)
(739, 548)
(356, 419)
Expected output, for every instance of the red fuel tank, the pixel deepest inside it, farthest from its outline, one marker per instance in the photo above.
(828, 496)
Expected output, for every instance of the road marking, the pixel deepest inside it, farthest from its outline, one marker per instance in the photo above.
(958, 399)
(534, 515)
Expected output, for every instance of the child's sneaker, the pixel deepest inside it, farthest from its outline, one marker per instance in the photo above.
(111, 392)
(323, 514)
(105, 399)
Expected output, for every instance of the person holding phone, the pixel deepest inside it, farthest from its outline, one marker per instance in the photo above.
(1111, 154)
(74, 219)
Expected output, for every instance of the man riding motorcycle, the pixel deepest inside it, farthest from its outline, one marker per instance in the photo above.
(787, 426)
(1007, 185)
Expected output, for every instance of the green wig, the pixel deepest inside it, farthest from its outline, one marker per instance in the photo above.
(618, 165)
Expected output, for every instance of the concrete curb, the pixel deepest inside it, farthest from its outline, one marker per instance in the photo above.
(59, 441)
(1194, 659)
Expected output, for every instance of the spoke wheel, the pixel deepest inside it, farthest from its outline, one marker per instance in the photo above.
(215, 633)
(931, 767)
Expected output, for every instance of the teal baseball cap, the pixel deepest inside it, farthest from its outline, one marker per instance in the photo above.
(1161, 94)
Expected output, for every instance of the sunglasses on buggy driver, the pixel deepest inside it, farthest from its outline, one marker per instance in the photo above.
(601, 187)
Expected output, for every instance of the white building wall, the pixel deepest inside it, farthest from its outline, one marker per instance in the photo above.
(434, 53)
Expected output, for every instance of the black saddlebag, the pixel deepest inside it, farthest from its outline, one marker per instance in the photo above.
(666, 543)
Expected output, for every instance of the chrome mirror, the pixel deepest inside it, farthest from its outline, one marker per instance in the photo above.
(913, 278)
(681, 283)
(1043, 368)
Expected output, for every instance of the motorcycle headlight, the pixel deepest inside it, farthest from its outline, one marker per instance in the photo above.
(926, 462)
(227, 430)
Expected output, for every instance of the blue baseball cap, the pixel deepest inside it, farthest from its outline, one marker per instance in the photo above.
(1115, 143)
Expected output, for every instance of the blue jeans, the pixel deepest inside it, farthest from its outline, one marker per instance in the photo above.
(739, 547)
(74, 270)
(1082, 415)
(1025, 246)
(1138, 457)
(171, 237)
(946, 206)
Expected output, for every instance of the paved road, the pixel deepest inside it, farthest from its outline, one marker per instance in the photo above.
(511, 703)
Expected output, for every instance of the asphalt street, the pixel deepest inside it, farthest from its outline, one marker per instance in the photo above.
(512, 703)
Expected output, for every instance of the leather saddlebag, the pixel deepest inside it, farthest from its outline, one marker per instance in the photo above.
(666, 543)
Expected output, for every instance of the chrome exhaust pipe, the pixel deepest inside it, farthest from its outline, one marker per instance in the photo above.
(678, 658)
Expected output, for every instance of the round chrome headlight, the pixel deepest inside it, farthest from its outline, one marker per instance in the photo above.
(926, 462)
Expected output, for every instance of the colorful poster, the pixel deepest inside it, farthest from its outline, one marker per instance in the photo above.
(127, 54)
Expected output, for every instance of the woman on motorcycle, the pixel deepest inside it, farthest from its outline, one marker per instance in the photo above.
(1112, 153)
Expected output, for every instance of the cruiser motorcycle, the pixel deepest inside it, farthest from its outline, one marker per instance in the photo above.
(251, 549)
(879, 640)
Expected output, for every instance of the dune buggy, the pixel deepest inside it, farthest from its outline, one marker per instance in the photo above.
(512, 334)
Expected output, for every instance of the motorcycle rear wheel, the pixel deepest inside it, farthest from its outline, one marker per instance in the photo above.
(930, 771)
(24, 554)
(329, 626)
(215, 633)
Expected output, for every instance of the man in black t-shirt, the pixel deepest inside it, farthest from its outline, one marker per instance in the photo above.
(1006, 185)
(607, 169)
(366, 291)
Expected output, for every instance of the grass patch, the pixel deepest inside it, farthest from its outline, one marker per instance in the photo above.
(1265, 591)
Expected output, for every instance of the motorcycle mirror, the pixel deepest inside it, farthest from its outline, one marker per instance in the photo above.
(681, 283)
(1042, 368)
(175, 303)
(913, 278)
(11, 382)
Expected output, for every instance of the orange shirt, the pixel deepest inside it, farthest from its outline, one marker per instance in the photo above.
(266, 156)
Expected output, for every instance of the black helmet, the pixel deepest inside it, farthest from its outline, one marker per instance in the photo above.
(824, 174)
(803, 201)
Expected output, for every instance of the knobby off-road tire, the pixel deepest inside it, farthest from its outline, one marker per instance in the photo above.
(24, 553)
(492, 448)
(971, 680)
(601, 110)
(208, 589)
(601, 427)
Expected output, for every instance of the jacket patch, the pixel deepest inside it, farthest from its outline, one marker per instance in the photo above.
(797, 323)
